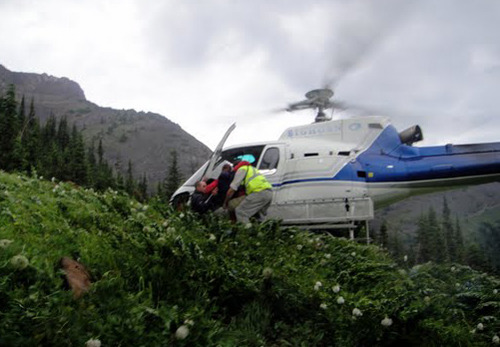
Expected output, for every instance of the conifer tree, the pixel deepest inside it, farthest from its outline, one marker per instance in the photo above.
(120, 184)
(100, 153)
(173, 179)
(19, 160)
(459, 241)
(395, 246)
(8, 129)
(476, 258)
(49, 131)
(448, 232)
(31, 138)
(92, 166)
(425, 253)
(383, 234)
(143, 188)
(21, 114)
(159, 190)
(77, 162)
(129, 180)
(438, 246)
(63, 136)
(104, 173)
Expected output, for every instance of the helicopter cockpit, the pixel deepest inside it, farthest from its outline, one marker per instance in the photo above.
(265, 160)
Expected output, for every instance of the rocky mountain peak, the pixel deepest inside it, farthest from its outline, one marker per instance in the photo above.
(47, 87)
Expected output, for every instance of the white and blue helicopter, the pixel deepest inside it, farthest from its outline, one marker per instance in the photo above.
(334, 173)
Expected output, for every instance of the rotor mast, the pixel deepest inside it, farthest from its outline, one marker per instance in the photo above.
(318, 99)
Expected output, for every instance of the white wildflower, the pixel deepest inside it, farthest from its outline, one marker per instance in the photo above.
(353, 254)
(53, 179)
(182, 332)
(453, 269)
(495, 291)
(189, 322)
(182, 216)
(212, 237)
(323, 306)
(161, 241)
(427, 299)
(328, 255)
(257, 244)
(336, 288)
(19, 262)
(405, 258)
(473, 331)
(93, 343)
(386, 322)
(496, 340)
(340, 300)
(41, 177)
(457, 284)
(145, 207)
(318, 285)
(5, 243)
(299, 247)
(165, 223)
(267, 272)
(310, 240)
(356, 312)
(248, 225)
(480, 326)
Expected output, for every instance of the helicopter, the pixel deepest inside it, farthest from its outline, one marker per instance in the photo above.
(333, 173)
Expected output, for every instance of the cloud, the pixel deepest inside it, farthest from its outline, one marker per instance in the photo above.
(207, 64)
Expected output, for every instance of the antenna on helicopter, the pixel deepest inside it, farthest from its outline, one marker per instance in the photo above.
(316, 99)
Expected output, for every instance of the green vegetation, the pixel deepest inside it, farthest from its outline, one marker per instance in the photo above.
(167, 278)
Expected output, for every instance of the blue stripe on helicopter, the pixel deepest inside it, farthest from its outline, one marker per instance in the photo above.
(387, 160)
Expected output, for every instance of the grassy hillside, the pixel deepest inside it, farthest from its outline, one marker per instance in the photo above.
(164, 278)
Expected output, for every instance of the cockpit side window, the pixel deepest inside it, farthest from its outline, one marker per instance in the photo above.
(270, 159)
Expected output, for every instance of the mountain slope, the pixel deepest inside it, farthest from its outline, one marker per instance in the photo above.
(145, 138)
(166, 278)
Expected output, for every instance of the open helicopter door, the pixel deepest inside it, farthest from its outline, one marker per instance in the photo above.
(217, 152)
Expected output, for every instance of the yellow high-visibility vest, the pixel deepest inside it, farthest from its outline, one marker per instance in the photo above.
(254, 181)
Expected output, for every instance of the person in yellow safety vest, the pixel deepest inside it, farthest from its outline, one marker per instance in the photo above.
(258, 193)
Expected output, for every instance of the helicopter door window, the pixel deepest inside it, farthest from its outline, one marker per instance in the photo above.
(270, 159)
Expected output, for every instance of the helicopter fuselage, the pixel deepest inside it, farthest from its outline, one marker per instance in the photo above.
(338, 171)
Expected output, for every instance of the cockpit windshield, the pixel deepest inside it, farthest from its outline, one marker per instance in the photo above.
(248, 153)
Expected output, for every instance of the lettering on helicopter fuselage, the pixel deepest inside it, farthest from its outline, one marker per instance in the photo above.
(314, 131)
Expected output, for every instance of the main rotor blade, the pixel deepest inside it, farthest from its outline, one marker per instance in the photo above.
(359, 36)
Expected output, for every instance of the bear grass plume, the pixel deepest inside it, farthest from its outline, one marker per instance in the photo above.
(162, 277)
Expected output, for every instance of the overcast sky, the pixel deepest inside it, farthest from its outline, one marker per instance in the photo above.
(207, 64)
